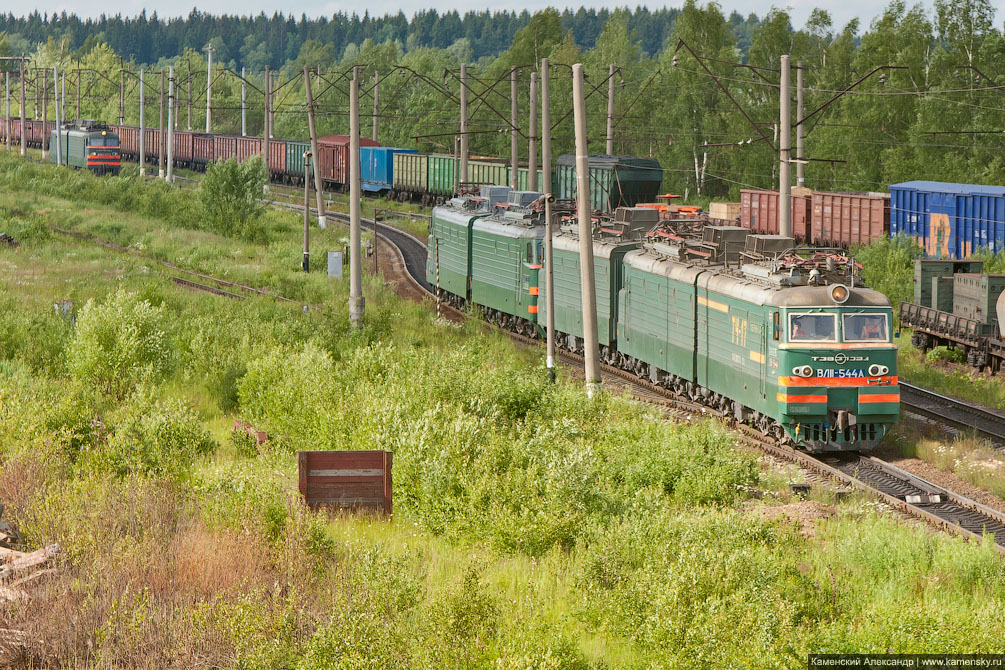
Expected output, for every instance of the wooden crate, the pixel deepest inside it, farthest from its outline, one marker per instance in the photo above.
(346, 479)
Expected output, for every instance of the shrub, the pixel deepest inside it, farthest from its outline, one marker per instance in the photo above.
(230, 194)
(888, 267)
(119, 343)
(154, 437)
(945, 354)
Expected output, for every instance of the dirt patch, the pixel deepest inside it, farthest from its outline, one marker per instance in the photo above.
(946, 479)
(804, 513)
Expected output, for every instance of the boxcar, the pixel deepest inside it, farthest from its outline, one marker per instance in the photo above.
(334, 150)
(377, 167)
(202, 150)
(949, 220)
(492, 171)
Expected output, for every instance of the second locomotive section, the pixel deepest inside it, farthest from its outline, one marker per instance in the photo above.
(784, 339)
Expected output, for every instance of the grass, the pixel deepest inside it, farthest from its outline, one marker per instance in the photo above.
(533, 528)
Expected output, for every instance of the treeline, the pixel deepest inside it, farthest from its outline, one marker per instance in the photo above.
(915, 95)
(257, 41)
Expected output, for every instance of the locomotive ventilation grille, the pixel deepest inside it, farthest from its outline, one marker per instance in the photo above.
(862, 432)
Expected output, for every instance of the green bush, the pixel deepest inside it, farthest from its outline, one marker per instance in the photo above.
(945, 354)
(153, 437)
(120, 342)
(888, 267)
(230, 194)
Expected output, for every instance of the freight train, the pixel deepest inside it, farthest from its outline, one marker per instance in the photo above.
(785, 339)
(402, 174)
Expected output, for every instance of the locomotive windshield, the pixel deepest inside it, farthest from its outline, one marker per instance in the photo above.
(813, 327)
(865, 328)
(105, 141)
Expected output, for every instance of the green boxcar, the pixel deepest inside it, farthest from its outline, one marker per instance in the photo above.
(410, 172)
(523, 175)
(506, 256)
(615, 181)
(295, 160)
(488, 171)
(608, 254)
(692, 326)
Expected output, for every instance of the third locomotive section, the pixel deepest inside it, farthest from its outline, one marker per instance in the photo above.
(785, 339)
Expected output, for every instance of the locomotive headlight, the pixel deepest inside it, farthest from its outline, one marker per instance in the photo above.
(878, 370)
(802, 371)
(840, 293)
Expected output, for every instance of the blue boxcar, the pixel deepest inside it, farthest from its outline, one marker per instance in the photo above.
(949, 220)
(377, 167)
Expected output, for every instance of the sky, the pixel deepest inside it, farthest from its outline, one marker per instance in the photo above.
(841, 11)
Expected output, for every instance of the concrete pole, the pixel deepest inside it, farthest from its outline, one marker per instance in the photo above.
(610, 110)
(209, 83)
(244, 105)
(784, 153)
(800, 157)
(122, 96)
(170, 128)
(314, 149)
(59, 128)
(265, 118)
(36, 88)
(142, 156)
(514, 146)
(532, 141)
(160, 134)
(306, 265)
(24, 119)
(78, 94)
(62, 99)
(376, 104)
(463, 176)
(45, 115)
(6, 120)
(272, 104)
(549, 274)
(189, 124)
(356, 302)
(591, 349)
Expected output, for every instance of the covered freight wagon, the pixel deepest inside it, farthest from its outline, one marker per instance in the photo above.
(949, 220)
(377, 166)
(615, 181)
(334, 155)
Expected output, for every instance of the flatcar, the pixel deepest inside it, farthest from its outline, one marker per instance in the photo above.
(89, 145)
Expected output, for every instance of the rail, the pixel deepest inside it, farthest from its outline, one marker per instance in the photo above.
(954, 413)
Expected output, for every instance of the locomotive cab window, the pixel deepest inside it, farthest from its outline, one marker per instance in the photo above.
(813, 328)
(865, 327)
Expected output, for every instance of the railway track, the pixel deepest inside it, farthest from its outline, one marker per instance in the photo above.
(902, 491)
(899, 489)
(953, 413)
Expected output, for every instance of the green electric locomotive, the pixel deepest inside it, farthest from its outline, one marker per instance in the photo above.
(786, 340)
(448, 257)
(502, 251)
(87, 145)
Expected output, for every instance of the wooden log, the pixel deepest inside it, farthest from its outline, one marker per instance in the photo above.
(29, 561)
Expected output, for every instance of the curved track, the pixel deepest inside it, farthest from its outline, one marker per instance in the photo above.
(953, 413)
(902, 491)
(907, 493)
